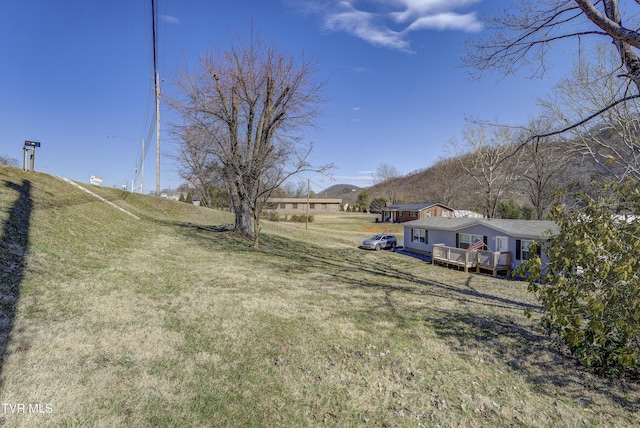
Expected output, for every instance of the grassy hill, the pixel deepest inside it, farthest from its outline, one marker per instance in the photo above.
(171, 320)
(346, 192)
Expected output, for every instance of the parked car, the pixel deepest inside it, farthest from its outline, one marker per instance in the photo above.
(380, 241)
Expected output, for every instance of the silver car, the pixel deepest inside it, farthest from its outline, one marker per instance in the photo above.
(380, 241)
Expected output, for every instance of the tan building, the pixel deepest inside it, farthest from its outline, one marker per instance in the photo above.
(299, 205)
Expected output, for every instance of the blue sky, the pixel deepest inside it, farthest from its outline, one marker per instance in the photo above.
(75, 71)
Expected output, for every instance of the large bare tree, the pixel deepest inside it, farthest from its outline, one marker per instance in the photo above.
(388, 177)
(546, 169)
(611, 139)
(248, 107)
(445, 184)
(491, 160)
(524, 34)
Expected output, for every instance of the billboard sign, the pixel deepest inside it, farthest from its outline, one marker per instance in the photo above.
(32, 144)
(95, 180)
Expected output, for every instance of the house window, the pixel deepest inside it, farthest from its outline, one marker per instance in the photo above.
(283, 206)
(523, 252)
(419, 236)
(445, 213)
(312, 206)
(413, 213)
(466, 239)
(271, 206)
(294, 206)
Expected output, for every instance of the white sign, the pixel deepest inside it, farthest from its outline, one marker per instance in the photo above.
(95, 180)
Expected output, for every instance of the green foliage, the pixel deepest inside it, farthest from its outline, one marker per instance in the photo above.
(591, 289)
(362, 203)
(272, 216)
(300, 218)
(294, 218)
(377, 205)
(181, 198)
(189, 198)
(528, 213)
(510, 209)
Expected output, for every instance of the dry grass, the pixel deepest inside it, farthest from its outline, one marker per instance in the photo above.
(173, 321)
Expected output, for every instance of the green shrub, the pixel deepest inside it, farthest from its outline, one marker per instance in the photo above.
(590, 291)
(301, 218)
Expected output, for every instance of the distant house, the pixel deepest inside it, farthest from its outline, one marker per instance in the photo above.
(299, 205)
(399, 213)
(502, 244)
(466, 214)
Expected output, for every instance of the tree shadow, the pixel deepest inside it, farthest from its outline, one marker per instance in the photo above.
(531, 353)
(14, 248)
(498, 335)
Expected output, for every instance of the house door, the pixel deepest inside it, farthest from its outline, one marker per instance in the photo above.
(502, 244)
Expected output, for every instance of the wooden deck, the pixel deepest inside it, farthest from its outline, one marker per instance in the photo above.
(474, 261)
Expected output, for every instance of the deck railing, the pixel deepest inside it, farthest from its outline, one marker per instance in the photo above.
(476, 259)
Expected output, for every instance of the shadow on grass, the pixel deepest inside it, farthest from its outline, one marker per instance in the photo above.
(292, 256)
(529, 353)
(473, 327)
(14, 248)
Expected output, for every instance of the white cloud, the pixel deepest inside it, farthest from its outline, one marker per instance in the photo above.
(389, 23)
(356, 178)
(447, 21)
(416, 9)
(170, 19)
(363, 25)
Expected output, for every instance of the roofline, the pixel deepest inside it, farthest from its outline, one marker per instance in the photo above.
(423, 208)
(304, 200)
(474, 222)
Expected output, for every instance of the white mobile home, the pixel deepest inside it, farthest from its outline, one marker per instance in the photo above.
(500, 244)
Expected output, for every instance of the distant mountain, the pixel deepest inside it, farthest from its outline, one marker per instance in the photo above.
(346, 192)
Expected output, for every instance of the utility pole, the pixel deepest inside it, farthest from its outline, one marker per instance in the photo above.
(306, 222)
(157, 135)
(142, 169)
(156, 79)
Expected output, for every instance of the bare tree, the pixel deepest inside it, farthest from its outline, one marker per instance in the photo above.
(198, 165)
(445, 183)
(522, 36)
(297, 189)
(387, 176)
(6, 160)
(611, 140)
(491, 161)
(546, 164)
(249, 107)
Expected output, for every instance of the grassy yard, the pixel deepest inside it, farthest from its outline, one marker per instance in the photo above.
(174, 321)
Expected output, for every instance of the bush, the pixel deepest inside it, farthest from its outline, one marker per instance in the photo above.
(590, 291)
(300, 218)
